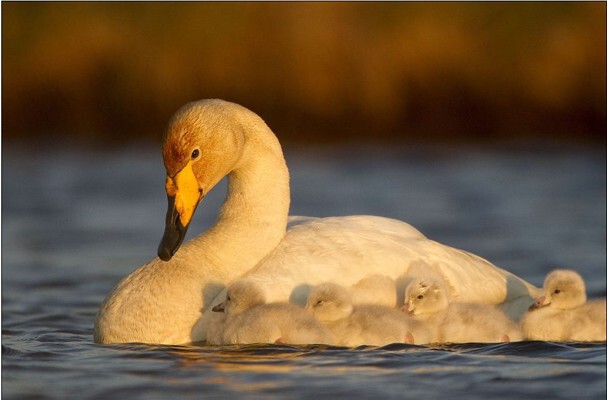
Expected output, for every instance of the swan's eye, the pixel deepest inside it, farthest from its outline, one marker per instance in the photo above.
(557, 291)
(421, 296)
(195, 154)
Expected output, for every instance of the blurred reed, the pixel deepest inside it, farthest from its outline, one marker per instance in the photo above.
(316, 72)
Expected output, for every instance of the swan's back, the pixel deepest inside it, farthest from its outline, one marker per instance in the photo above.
(345, 250)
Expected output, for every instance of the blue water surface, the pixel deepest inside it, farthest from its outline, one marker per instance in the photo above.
(75, 220)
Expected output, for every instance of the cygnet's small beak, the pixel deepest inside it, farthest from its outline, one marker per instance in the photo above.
(540, 302)
(407, 308)
(219, 308)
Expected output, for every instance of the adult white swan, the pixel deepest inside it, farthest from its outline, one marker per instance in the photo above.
(166, 300)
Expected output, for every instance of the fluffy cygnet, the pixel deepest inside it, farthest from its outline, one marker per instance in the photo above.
(250, 320)
(563, 314)
(426, 301)
(352, 325)
(217, 323)
(374, 289)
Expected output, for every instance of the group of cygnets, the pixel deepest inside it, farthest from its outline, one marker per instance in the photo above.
(367, 313)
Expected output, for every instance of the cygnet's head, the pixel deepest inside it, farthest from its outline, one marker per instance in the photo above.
(425, 296)
(329, 302)
(563, 289)
(241, 296)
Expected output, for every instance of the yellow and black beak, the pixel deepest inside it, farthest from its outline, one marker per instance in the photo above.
(183, 194)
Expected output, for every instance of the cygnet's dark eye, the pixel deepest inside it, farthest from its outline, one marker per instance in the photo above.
(557, 291)
(195, 154)
(421, 296)
(319, 302)
(228, 298)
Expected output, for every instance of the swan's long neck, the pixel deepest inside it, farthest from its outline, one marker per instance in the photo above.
(253, 218)
(251, 223)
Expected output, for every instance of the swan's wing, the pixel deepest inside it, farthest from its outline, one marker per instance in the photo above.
(294, 220)
(346, 249)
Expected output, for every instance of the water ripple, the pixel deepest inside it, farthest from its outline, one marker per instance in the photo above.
(65, 244)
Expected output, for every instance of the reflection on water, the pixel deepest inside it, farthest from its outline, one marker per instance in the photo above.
(75, 222)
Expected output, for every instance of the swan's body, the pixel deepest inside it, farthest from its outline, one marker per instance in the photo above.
(426, 301)
(351, 325)
(249, 319)
(562, 312)
(169, 301)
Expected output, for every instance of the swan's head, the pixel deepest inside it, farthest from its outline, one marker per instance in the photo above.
(563, 289)
(425, 297)
(241, 296)
(329, 302)
(202, 144)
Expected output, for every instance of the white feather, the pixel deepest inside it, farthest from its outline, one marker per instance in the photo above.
(169, 302)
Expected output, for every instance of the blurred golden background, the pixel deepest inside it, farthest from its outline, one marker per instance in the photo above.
(316, 72)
